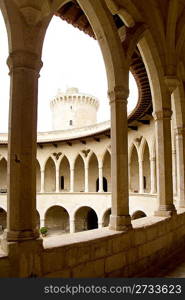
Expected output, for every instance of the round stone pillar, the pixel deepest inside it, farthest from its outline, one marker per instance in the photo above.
(180, 158)
(22, 145)
(164, 162)
(120, 218)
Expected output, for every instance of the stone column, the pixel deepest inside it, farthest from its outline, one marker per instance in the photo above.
(180, 150)
(120, 218)
(141, 183)
(153, 175)
(86, 179)
(164, 162)
(174, 171)
(100, 169)
(129, 178)
(57, 179)
(22, 145)
(100, 224)
(42, 174)
(72, 226)
(71, 180)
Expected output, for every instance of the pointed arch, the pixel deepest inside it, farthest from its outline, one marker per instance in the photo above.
(38, 176)
(93, 172)
(3, 175)
(134, 170)
(64, 174)
(50, 176)
(146, 168)
(79, 174)
(107, 171)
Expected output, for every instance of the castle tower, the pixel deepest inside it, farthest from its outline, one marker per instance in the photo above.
(73, 109)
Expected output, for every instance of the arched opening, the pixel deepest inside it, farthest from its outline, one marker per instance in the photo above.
(64, 175)
(105, 185)
(93, 173)
(107, 172)
(57, 220)
(3, 220)
(4, 77)
(38, 177)
(37, 219)
(138, 214)
(3, 176)
(50, 176)
(79, 175)
(85, 219)
(146, 170)
(106, 218)
(134, 171)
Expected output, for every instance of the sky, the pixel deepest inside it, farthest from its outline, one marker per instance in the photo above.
(70, 59)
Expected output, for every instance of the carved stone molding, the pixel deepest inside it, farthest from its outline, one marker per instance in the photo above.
(57, 155)
(33, 10)
(86, 152)
(24, 59)
(118, 94)
(172, 82)
(164, 114)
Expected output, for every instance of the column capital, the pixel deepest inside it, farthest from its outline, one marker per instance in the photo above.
(23, 59)
(179, 131)
(164, 114)
(171, 82)
(118, 94)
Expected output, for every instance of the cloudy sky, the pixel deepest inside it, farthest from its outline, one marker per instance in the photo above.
(71, 59)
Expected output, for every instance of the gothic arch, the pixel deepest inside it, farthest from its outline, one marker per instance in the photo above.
(50, 175)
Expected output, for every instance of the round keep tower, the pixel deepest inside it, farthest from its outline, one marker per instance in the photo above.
(73, 109)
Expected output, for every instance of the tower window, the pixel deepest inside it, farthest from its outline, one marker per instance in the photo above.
(70, 122)
(71, 107)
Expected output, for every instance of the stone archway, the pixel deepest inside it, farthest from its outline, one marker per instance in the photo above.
(57, 220)
(146, 169)
(106, 218)
(134, 171)
(50, 176)
(85, 219)
(3, 219)
(79, 175)
(138, 214)
(3, 175)
(107, 172)
(93, 173)
(38, 177)
(64, 175)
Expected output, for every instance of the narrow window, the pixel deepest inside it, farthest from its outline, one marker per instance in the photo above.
(62, 182)
(70, 122)
(144, 182)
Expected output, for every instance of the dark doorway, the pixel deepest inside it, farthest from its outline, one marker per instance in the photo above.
(92, 220)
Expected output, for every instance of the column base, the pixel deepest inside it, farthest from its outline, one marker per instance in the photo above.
(165, 211)
(120, 223)
(16, 236)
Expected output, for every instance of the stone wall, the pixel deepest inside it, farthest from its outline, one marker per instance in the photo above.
(142, 251)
